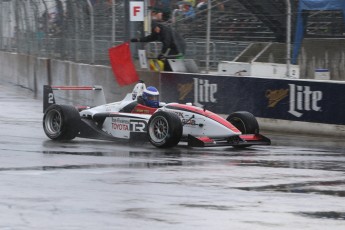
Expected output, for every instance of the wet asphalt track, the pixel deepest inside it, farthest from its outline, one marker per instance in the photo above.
(297, 183)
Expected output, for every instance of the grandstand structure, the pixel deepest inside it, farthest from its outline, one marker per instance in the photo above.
(240, 23)
(260, 21)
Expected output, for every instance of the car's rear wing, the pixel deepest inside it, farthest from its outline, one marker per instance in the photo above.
(49, 98)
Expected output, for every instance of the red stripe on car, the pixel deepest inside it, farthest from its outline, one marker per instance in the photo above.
(142, 109)
(205, 139)
(205, 113)
(250, 137)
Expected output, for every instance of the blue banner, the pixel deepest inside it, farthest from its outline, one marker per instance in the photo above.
(321, 5)
(311, 5)
(296, 100)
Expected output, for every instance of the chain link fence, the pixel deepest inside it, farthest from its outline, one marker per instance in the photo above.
(76, 30)
(84, 30)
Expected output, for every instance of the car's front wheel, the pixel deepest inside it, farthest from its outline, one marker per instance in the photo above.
(244, 121)
(60, 122)
(164, 129)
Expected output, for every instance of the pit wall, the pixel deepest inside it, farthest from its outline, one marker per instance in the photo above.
(283, 105)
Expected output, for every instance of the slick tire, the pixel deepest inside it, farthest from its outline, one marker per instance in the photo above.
(244, 121)
(164, 129)
(60, 122)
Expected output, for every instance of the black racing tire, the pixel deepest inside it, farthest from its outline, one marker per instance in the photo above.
(60, 122)
(164, 129)
(244, 121)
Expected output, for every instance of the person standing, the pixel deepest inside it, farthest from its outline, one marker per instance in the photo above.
(173, 45)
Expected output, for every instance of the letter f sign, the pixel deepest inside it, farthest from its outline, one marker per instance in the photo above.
(136, 11)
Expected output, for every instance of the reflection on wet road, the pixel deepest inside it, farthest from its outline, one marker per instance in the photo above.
(296, 183)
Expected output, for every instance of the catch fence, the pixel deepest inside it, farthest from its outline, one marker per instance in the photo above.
(84, 30)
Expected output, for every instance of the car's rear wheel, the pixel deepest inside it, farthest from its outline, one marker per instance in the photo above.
(60, 122)
(164, 129)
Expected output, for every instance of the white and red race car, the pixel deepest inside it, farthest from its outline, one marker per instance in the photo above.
(164, 127)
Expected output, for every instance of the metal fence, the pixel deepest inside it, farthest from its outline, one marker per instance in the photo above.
(78, 30)
(84, 30)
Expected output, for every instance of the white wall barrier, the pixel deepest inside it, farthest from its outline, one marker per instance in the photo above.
(258, 69)
(32, 73)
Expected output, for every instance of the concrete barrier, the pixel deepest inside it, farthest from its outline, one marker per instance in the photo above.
(33, 72)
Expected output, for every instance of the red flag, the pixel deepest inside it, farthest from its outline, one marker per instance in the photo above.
(122, 64)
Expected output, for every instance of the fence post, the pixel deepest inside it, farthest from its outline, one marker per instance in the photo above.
(37, 35)
(288, 38)
(16, 28)
(113, 23)
(208, 36)
(1, 18)
(26, 26)
(76, 34)
(9, 39)
(92, 32)
(46, 28)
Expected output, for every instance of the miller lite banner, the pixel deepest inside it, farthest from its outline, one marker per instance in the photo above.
(297, 100)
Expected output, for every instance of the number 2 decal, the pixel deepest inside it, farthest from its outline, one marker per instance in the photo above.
(51, 98)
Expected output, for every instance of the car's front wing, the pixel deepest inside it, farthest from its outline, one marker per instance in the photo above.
(240, 141)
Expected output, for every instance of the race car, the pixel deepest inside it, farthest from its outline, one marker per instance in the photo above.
(164, 125)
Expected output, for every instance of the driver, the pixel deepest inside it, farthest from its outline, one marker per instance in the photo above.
(150, 97)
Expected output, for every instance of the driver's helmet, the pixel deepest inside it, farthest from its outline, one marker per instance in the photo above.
(151, 97)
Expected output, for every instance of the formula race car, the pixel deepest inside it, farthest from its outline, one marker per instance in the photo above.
(164, 125)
